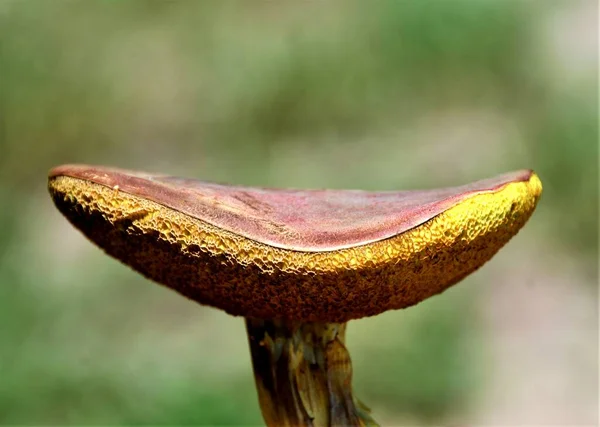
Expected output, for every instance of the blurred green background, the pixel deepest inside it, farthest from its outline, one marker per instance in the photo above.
(344, 94)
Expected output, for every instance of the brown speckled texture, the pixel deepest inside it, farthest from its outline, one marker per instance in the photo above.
(245, 277)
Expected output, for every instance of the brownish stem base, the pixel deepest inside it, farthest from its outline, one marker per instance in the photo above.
(303, 374)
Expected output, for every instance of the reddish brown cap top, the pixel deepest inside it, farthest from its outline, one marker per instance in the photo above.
(301, 220)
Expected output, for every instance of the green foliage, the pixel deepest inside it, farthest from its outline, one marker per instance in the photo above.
(563, 136)
(426, 368)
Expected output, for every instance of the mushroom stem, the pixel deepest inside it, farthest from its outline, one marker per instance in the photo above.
(303, 374)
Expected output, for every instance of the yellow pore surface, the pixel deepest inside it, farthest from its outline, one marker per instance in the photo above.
(405, 268)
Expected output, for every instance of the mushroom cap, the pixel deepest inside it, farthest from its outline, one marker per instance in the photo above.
(307, 255)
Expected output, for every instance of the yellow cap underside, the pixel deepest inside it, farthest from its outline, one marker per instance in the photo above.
(499, 213)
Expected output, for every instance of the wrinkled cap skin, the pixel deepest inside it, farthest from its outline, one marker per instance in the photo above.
(310, 255)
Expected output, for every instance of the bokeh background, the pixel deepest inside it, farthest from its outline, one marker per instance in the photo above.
(380, 95)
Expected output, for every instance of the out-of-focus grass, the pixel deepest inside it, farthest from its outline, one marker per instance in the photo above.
(419, 363)
(390, 95)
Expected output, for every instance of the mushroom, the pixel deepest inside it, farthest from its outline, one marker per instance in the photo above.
(297, 264)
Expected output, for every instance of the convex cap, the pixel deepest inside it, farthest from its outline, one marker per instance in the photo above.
(306, 255)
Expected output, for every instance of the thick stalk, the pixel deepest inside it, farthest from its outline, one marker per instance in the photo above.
(303, 374)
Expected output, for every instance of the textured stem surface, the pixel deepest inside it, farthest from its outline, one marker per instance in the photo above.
(303, 374)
